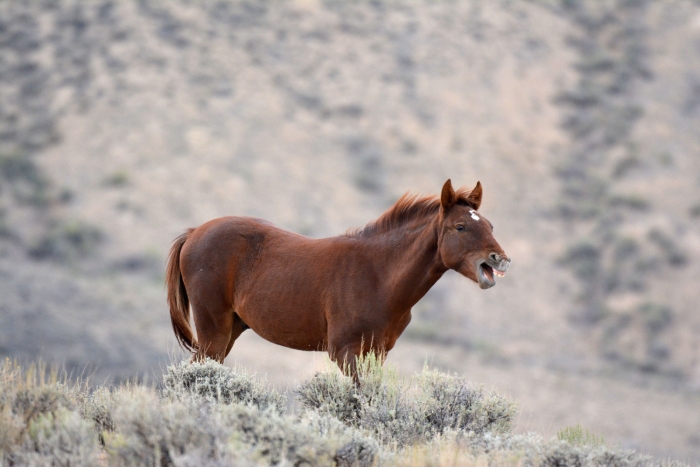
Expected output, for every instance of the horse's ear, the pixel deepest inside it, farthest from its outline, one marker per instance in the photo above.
(474, 197)
(447, 198)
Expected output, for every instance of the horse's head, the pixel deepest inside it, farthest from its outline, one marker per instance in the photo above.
(465, 239)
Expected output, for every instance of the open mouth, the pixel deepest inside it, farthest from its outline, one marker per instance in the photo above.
(486, 275)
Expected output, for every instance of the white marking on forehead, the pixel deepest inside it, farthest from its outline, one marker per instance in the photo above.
(474, 216)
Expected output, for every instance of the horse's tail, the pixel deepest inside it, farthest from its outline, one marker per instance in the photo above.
(177, 296)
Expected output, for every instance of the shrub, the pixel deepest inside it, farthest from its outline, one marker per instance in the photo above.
(400, 411)
(330, 393)
(97, 407)
(656, 317)
(531, 449)
(452, 403)
(17, 168)
(625, 165)
(117, 179)
(564, 454)
(312, 440)
(59, 437)
(516, 450)
(631, 201)
(38, 422)
(625, 248)
(21, 174)
(149, 432)
(675, 255)
(212, 381)
(694, 211)
(198, 431)
(5, 229)
(584, 259)
(430, 419)
(350, 446)
(67, 240)
(577, 436)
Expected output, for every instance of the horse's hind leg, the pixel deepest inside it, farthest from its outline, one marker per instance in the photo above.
(217, 325)
(214, 334)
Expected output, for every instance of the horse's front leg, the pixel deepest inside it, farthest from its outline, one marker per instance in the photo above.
(346, 355)
(346, 359)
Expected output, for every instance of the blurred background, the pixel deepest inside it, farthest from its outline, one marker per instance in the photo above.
(122, 123)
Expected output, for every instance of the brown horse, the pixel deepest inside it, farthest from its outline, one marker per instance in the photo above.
(348, 295)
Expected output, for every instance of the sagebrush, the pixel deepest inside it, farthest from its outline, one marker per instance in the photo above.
(406, 411)
(206, 414)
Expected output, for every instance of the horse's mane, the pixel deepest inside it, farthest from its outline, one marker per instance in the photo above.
(408, 208)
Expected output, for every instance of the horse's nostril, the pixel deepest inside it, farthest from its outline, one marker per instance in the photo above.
(495, 257)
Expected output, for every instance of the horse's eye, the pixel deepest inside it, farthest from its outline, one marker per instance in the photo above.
(460, 227)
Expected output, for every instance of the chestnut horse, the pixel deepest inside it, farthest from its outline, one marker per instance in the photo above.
(348, 295)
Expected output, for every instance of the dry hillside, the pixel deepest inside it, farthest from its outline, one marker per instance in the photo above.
(123, 123)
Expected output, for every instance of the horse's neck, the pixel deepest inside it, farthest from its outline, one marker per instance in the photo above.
(414, 265)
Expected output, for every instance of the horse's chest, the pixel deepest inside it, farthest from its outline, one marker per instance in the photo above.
(395, 329)
(384, 332)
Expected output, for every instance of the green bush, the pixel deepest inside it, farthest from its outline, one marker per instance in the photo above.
(578, 436)
(117, 179)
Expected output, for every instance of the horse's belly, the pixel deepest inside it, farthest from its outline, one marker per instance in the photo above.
(289, 328)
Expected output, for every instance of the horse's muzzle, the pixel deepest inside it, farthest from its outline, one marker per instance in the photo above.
(487, 270)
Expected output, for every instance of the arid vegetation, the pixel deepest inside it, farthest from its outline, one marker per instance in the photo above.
(206, 414)
(598, 201)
